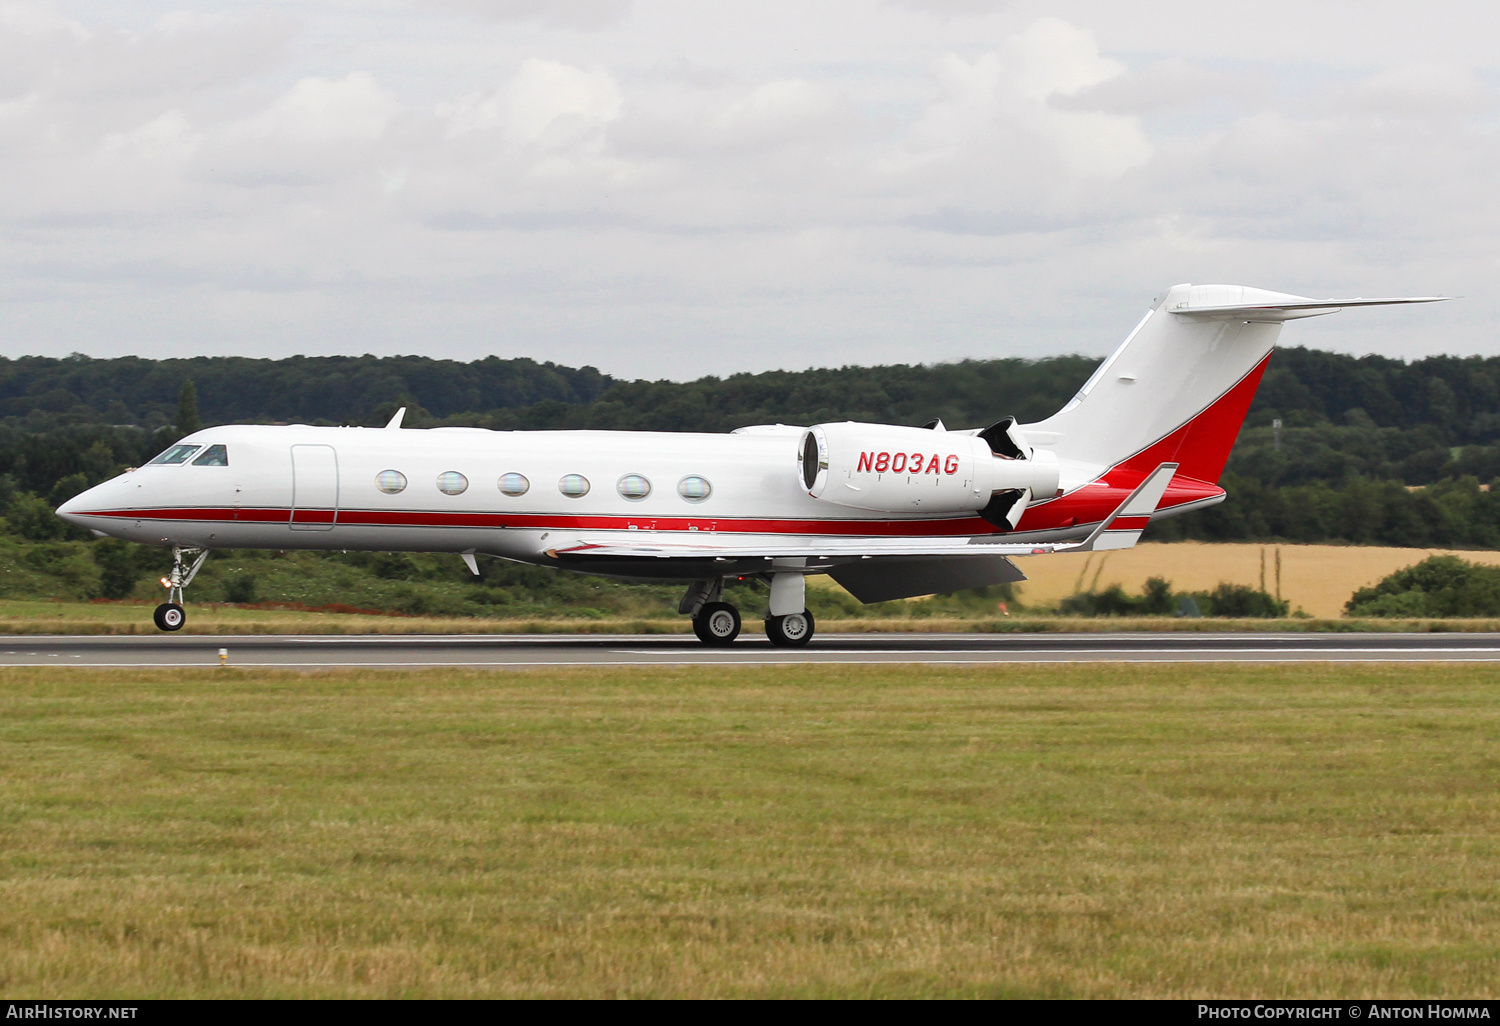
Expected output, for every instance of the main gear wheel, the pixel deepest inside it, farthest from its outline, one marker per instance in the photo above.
(717, 623)
(790, 631)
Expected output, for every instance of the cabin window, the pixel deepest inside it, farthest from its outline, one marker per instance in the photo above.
(451, 482)
(634, 487)
(514, 485)
(213, 456)
(177, 454)
(694, 488)
(390, 481)
(574, 486)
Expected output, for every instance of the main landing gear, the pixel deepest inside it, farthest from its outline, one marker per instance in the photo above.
(170, 616)
(789, 624)
(792, 630)
(717, 623)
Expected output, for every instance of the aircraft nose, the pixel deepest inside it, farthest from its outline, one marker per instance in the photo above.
(76, 508)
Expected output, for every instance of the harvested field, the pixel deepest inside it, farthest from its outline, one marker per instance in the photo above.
(1317, 578)
(892, 831)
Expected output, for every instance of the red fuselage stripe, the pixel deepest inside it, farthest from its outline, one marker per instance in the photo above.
(949, 527)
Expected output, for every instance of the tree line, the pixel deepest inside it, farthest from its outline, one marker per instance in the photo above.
(1456, 398)
(1368, 450)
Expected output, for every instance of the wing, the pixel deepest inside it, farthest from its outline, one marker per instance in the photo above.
(1120, 530)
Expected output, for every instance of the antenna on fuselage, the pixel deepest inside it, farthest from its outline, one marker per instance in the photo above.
(396, 420)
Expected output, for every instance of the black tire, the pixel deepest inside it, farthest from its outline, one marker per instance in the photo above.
(169, 616)
(791, 631)
(717, 623)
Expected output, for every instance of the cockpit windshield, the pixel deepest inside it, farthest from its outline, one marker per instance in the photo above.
(213, 456)
(175, 455)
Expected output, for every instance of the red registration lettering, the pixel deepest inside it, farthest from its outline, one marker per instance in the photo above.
(916, 463)
(951, 467)
(932, 468)
(866, 460)
(882, 463)
(898, 464)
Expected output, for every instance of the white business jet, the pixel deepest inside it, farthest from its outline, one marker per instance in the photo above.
(887, 511)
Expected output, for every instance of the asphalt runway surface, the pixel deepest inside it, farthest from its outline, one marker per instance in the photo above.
(520, 651)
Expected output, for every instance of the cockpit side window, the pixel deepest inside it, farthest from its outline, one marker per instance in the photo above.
(177, 454)
(213, 456)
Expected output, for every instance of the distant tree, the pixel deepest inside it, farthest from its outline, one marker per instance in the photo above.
(1240, 600)
(188, 420)
(30, 517)
(118, 571)
(1437, 586)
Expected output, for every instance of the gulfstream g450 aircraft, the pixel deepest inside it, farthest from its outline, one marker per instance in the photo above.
(887, 511)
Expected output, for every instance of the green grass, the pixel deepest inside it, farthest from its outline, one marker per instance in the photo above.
(832, 831)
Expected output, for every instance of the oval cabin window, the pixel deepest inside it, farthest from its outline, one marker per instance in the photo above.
(574, 486)
(514, 485)
(694, 489)
(451, 482)
(390, 481)
(634, 487)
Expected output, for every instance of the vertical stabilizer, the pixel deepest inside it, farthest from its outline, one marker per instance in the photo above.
(1169, 370)
(1179, 386)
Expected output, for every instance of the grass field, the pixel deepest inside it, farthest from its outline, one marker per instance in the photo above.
(1048, 831)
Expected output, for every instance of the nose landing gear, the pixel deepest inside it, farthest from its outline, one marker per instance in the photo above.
(170, 616)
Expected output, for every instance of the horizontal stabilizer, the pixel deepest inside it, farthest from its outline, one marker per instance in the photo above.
(1260, 305)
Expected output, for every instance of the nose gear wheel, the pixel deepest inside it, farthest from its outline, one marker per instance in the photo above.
(169, 616)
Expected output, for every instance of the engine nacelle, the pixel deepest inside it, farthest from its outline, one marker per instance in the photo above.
(890, 469)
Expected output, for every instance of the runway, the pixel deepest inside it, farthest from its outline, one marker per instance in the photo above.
(558, 650)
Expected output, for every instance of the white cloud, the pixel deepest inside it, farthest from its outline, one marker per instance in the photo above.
(546, 104)
(318, 131)
(952, 8)
(687, 188)
(320, 110)
(1419, 90)
(574, 14)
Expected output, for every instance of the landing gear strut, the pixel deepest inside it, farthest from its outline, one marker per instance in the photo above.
(715, 621)
(789, 623)
(170, 616)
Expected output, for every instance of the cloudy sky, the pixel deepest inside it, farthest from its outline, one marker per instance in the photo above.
(667, 188)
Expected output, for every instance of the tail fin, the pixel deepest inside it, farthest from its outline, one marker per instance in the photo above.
(1179, 386)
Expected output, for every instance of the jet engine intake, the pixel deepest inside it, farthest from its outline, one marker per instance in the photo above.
(890, 469)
